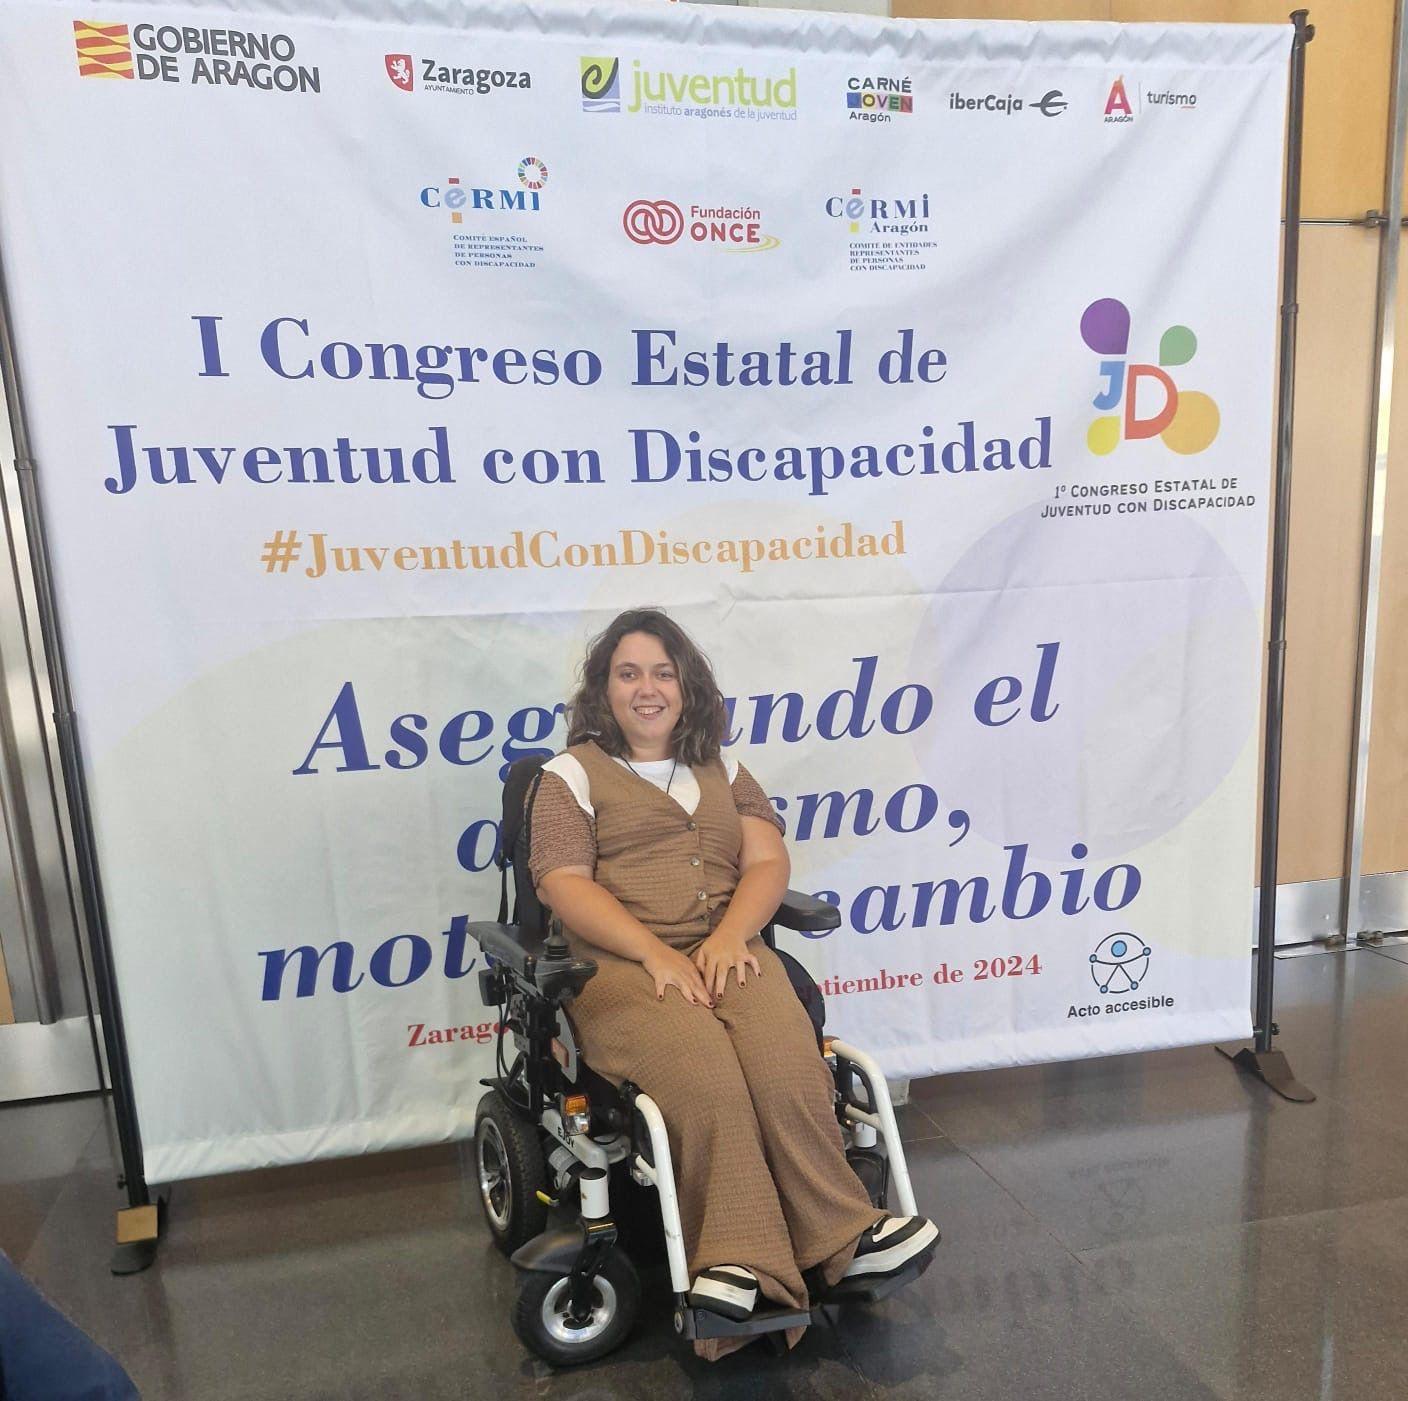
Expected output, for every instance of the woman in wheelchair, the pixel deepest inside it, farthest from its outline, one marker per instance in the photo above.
(664, 860)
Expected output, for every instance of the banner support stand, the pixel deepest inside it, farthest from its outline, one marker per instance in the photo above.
(1268, 1065)
(139, 1223)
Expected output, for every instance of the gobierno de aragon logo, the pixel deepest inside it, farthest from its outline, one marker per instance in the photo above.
(193, 55)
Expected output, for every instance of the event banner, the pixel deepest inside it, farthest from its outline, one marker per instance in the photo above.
(377, 354)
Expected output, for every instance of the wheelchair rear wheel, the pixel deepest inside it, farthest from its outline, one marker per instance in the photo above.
(542, 1316)
(508, 1160)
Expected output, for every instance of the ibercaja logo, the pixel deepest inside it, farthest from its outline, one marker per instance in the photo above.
(1186, 419)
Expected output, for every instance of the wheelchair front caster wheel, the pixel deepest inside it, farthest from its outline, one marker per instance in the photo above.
(542, 1316)
(508, 1161)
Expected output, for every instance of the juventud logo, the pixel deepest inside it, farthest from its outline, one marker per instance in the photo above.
(600, 83)
(653, 221)
(668, 93)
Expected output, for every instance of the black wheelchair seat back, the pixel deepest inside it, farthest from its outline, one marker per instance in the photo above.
(515, 842)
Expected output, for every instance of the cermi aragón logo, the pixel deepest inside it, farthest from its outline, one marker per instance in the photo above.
(193, 55)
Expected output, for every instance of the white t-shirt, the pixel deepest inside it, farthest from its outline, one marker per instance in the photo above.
(666, 774)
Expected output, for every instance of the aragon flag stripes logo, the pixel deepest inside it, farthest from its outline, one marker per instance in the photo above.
(104, 50)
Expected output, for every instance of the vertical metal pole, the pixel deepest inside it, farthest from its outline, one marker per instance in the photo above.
(71, 759)
(1261, 1059)
(1280, 543)
(1390, 234)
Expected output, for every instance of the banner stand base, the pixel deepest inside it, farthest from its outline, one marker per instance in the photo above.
(1272, 1069)
(139, 1231)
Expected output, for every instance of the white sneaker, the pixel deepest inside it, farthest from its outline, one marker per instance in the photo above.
(729, 1290)
(891, 1244)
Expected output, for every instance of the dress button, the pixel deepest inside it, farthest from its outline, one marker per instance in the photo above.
(703, 895)
(689, 826)
(693, 860)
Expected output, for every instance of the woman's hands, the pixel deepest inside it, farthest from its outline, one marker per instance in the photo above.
(721, 952)
(701, 978)
(670, 968)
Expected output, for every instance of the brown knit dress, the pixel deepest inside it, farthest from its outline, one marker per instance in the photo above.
(760, 1168)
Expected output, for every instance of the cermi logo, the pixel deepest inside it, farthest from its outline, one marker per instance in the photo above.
(104, 50)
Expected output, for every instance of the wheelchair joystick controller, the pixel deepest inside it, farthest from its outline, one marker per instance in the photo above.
(556, 946)
(557, 974)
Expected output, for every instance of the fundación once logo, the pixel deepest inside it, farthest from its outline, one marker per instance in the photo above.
(662, 221)
(1120, 962)
(187, 54)
(456, 197)
(1186, 419)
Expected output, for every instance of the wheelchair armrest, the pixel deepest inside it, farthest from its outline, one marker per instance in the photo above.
(514, 947)
(806, 913)
(509, 944)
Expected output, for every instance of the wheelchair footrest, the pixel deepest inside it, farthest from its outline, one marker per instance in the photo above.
(701, 1323)
(869, 1288)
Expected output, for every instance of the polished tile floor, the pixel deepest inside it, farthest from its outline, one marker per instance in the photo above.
(1142, 1228)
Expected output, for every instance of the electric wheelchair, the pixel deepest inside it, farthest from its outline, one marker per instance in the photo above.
(549, 1133)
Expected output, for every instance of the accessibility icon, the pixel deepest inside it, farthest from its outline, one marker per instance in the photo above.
(1120, 962)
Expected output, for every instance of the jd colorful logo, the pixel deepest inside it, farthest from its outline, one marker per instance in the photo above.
(1120, 963)
(601, 84)
(1186, 420)
(400, 71)
(104, 50)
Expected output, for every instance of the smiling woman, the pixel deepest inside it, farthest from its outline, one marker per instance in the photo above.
(664, 861)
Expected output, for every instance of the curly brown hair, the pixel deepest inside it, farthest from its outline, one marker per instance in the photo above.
(703, 719)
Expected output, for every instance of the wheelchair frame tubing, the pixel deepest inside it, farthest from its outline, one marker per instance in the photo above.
(662, 1177)
(881, 1116)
